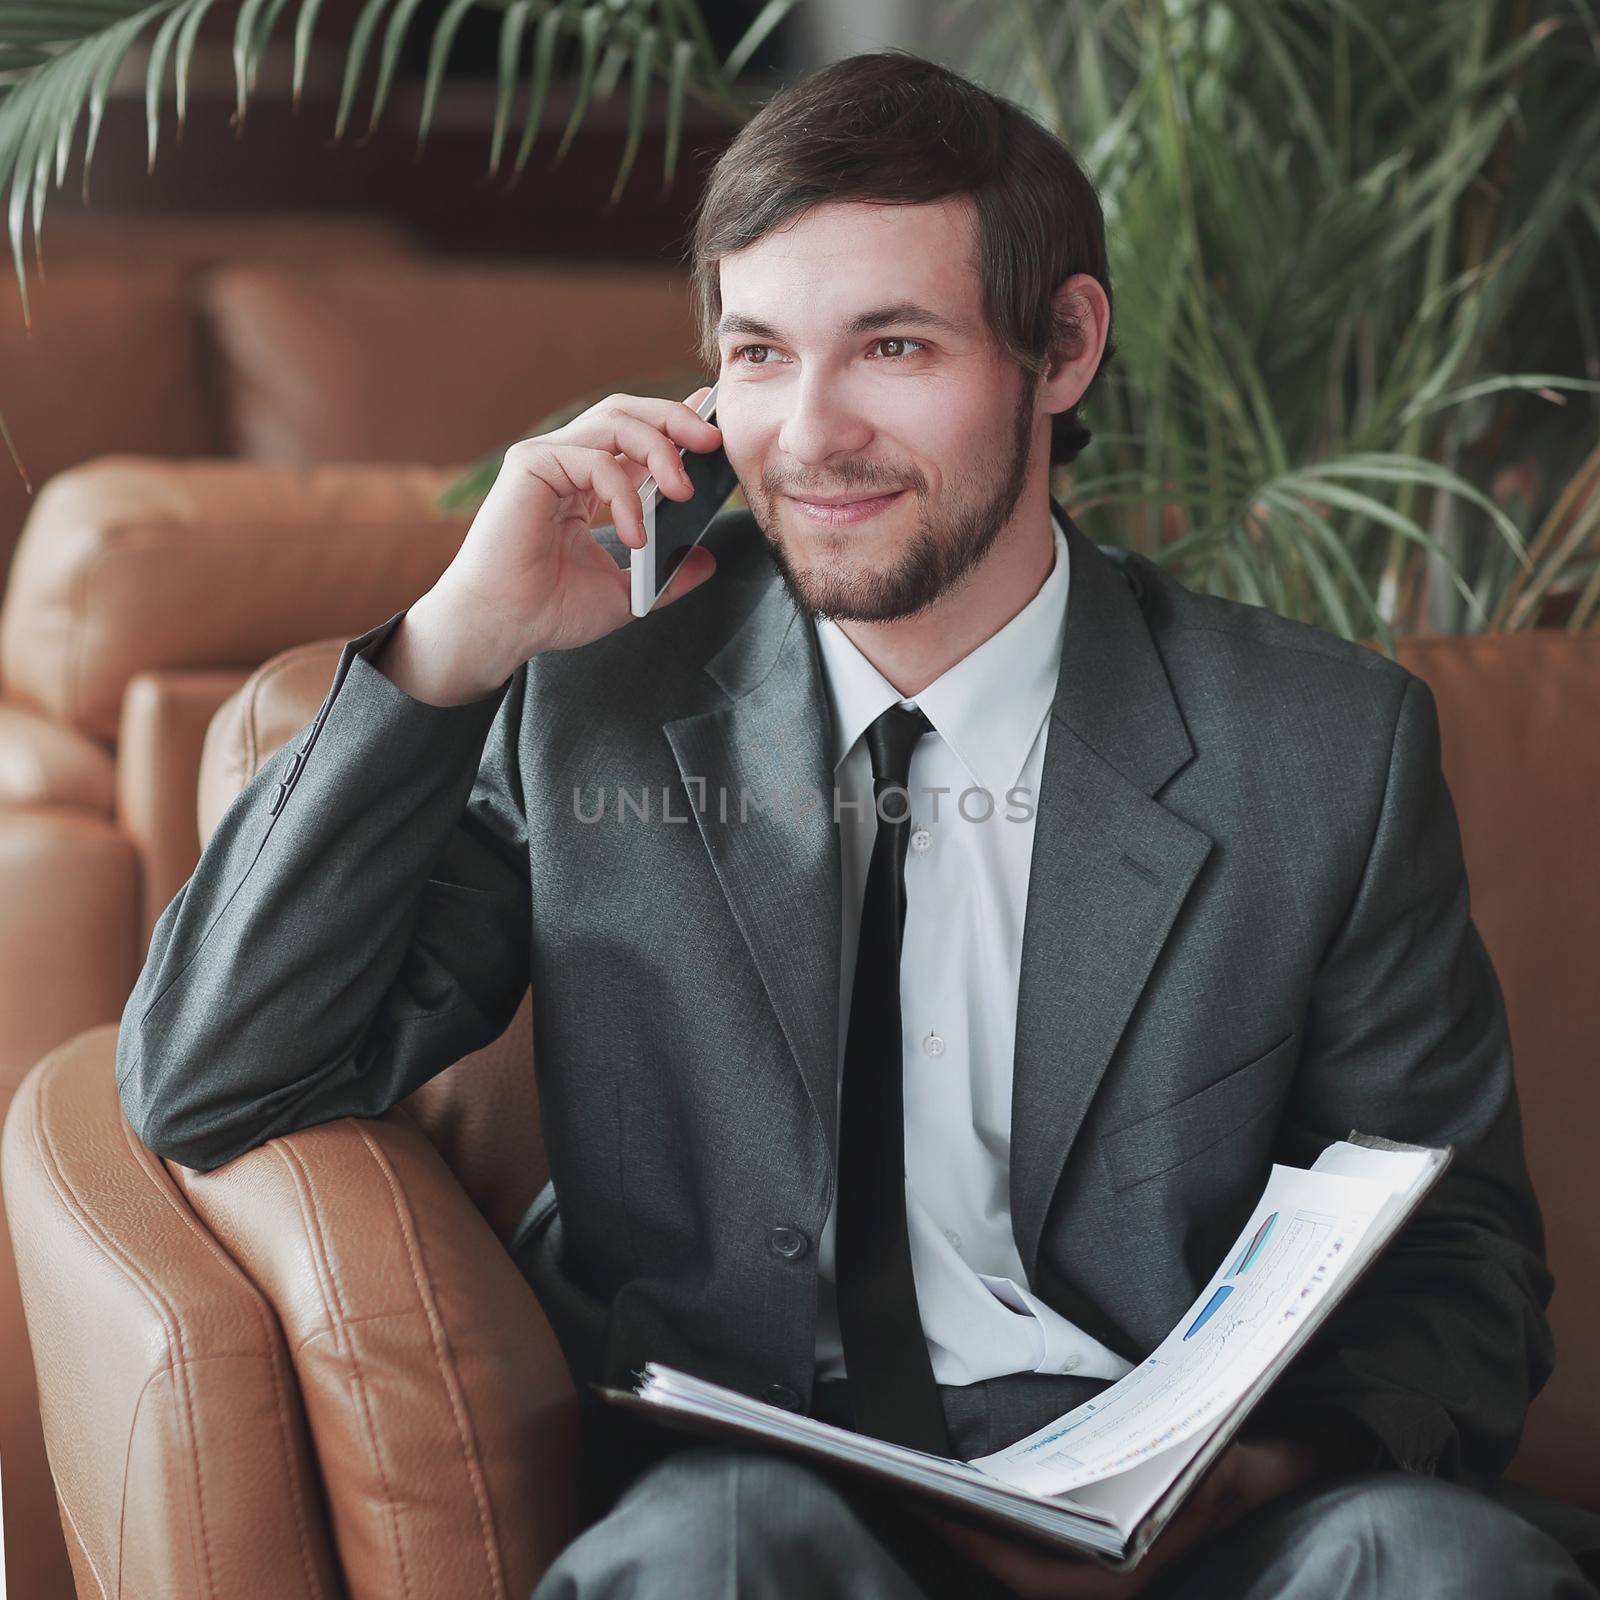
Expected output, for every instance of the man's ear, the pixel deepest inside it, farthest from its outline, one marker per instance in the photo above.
(1083, 321)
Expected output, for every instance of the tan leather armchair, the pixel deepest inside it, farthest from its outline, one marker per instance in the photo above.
(144, 589)
(143, 594)
(318, 1372)
(254, 1378)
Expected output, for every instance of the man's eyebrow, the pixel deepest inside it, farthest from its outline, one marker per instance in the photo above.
(901, 313)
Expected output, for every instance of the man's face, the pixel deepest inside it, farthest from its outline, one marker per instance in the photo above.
(855, 363)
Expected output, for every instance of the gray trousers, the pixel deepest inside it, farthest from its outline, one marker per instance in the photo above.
(726, 1523)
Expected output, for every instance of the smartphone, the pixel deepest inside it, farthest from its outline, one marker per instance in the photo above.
(674, 527)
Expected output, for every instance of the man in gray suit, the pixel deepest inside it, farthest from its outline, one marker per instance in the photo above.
(1235, 928)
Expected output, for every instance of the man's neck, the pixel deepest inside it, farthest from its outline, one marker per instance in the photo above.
(913, 653)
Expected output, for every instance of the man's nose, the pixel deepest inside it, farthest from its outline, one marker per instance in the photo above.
(820, 425)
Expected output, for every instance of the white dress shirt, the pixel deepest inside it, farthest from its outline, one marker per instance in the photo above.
(966, 894)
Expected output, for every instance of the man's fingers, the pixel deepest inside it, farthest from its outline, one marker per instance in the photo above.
(572, 472)
(604, 426)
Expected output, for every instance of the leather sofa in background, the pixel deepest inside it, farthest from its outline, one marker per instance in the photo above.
(356, 393)
(144, 594)
(237, 429)
(164, 360)
(305, 342)
(222, 1356)
(120, 355)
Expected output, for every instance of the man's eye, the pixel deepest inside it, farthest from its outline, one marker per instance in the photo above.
(743, 353)
(895, 339)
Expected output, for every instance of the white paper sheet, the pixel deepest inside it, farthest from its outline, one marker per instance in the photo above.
(1287, 1255)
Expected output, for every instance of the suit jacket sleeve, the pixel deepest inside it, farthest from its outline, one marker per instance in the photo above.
(332, 952)
(1442, 1344)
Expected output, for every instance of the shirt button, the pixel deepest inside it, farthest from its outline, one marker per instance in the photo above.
(780, 1394)
(789, 1243)
(921, 839)
(933, 1045)
(953, 1237)
(1070, 1364)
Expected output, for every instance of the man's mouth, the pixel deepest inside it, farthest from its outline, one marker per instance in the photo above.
(842, 512)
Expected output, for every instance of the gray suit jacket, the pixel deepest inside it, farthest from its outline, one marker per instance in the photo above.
(1247, 932)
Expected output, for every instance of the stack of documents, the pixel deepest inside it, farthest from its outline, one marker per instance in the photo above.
(1106, 1477)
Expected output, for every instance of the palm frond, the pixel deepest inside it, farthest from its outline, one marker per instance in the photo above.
(56, 58)
(1350, 246)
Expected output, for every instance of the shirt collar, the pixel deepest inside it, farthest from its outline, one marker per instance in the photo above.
(987, 706)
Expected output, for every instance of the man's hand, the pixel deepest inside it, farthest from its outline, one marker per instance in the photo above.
(530, 576)
(1247, 1474)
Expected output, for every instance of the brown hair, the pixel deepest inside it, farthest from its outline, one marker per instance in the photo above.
(891, 127)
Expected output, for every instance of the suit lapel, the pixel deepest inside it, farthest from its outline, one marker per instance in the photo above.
(1111, 869)
(778, 868)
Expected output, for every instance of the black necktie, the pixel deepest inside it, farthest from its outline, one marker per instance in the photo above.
(892, 1390)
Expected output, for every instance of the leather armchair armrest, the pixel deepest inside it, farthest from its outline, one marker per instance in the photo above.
(130, 563)
(173, 1428)
(438, 1402)
(328, 1306)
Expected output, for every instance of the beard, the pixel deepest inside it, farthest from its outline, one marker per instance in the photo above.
(938, 555)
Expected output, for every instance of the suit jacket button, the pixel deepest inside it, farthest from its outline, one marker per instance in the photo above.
(278, 799)
(780, 1394)
(789, 1243)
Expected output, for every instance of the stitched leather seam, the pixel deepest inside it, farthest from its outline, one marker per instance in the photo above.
(127, 1458)
(358, 1383)
(470, 1452)
(333, 1323)
(82, 1544)
(171, 1326)
(271, 1333)
(352, 1322)
(165, 1370)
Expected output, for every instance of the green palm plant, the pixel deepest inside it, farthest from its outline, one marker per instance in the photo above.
(1336, 229)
